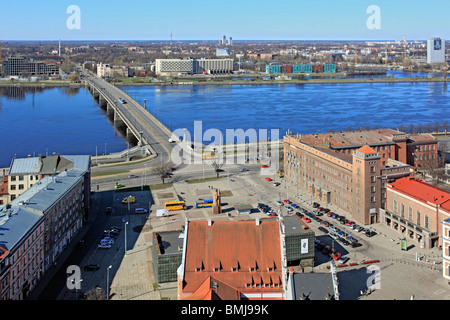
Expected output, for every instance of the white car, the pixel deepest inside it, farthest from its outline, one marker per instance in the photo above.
(278, 202)
(288, 208)
(333, 235)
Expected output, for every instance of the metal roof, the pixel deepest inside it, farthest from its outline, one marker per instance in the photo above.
(25, 166)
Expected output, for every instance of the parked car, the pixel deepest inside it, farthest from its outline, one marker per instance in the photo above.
(131, 176)
(273, 214)
(306, 219)
(104, 246)
(276, 183)
(343, 259)
(268, 179)
(278, 202)
(349, 223)
(326, 223)
(326, 210)
(326, 250)
(370, 233)
(287, 201)
(264, 166)
(299, 214)
(330, 214)
(91, 267)
(288, 208)
(333, 235)
(293, 205)
(323, 229)
(316, 205)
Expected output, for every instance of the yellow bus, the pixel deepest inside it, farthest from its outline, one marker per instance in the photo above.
(175, 205)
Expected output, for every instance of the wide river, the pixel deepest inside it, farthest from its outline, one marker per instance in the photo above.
(69, 121)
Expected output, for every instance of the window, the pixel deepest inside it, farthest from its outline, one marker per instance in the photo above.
(13, 178)
(410, 213)
(427, 221)
(403, 210)
(418, 217)
(13, 187)
(395, 206)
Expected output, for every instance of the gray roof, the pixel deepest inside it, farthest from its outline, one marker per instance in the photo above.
(25, 166)
(49, 164)
(13, 228)
(170, 242)
(44, 194)
(315, 286)
(293, 225)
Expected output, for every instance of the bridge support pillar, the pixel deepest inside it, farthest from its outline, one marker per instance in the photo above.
(101, 101)
(118, 120)
(109, 109)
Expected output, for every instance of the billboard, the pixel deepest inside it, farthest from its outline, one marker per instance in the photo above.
(437, 44)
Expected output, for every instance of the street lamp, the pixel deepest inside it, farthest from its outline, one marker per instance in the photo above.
(107, 282)
(125, 240)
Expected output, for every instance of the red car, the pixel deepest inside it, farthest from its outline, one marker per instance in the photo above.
(264, 166)
(337, 255)
(325, 223)
(349, 223)
(329, 214)
(287, 201)
(306, 219)
(268, 179)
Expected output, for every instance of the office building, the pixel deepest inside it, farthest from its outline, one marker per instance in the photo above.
(19, 66)
(416, 209)
(232, 260)
(174, 67)
(348, 176)
(436, 50)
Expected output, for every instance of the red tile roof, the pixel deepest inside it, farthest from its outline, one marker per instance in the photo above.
(218, 248)
(366, 149)
(423, 191)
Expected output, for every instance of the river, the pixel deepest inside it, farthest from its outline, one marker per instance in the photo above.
(68, 121)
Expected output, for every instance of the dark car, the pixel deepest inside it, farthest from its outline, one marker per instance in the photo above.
(370, 233)
(299, 214)
(326, 210)
(323, 229)
(316, 205)
(91, 267)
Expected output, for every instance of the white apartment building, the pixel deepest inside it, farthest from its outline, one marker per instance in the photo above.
(172, 67)
(436, 50)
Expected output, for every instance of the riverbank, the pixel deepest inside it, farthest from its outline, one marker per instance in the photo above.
(50, 84)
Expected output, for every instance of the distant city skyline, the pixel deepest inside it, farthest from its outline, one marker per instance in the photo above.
(211, 20)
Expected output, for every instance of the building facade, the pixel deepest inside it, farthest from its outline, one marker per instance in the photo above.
(173, 67)
(21, 251)
(416, 209)
(19, 66)
(446, 249)
(436, 50)
(355, 183)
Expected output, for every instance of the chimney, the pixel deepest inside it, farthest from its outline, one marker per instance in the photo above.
(209, 222)
(258, 222)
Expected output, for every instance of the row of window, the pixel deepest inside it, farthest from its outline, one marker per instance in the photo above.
(418, 217)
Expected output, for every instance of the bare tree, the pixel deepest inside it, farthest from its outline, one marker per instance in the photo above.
(162, 171)
(217, 166)
(95, 294)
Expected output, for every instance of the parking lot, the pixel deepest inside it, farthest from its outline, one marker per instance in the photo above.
(131, 275)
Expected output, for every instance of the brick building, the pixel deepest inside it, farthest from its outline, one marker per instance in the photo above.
(416, 210)
(446, 249)
(354, 182)
(232, 260)
(350, 169)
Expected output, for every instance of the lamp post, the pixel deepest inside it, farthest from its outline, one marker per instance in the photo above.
(125, 237)
(107, 282)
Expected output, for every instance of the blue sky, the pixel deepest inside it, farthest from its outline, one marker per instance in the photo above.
(210, 20)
